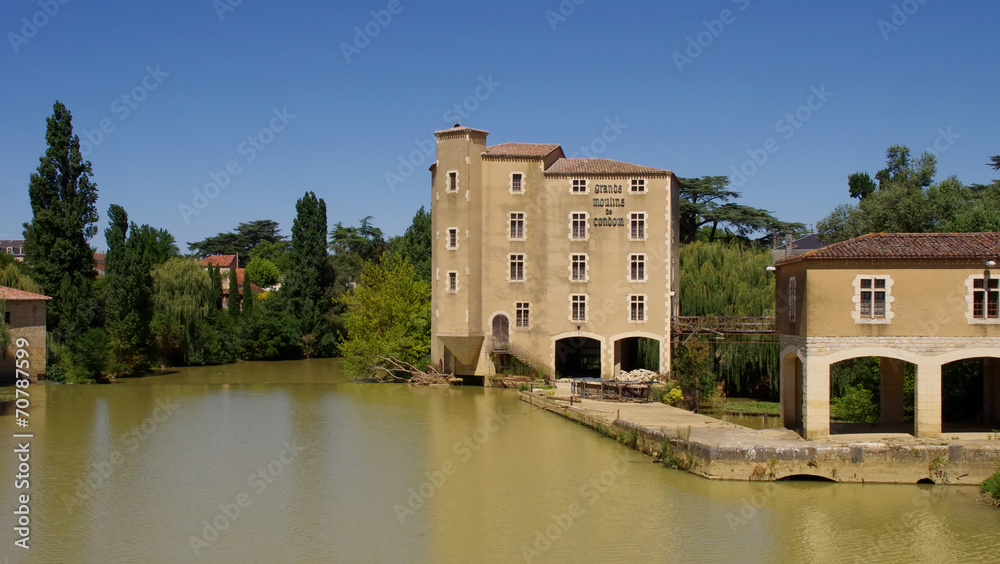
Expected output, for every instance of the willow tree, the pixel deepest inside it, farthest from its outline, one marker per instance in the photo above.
(720, 279)
(182, 296)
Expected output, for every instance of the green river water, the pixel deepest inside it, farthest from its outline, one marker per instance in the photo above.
(289, 462)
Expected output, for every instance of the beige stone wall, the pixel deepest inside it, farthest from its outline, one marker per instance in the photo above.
(481, 210)
(27, 320)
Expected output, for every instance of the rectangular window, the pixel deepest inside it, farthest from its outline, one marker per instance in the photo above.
(985, 298)
(578, 268)
(579, 185)
(638, 185)
(452, 242)
(452, 281)
(515, 182)
(517, 226)
(452, 181)
(637, 230)
(637, 308)
(521, 312)
(873, 294)
(792, 299)
(516, 268)
(578, 307)
(637, 267)
(10, 250)
(578, 226)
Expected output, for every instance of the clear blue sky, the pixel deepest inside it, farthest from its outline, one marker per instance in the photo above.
(198, 85)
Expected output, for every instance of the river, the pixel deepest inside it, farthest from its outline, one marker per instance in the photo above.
(289, 462)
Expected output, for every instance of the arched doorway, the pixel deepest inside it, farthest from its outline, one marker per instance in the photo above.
(578, 357)
(501, 332)
(872, 394)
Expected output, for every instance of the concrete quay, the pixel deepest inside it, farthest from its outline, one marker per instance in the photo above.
(720, 450)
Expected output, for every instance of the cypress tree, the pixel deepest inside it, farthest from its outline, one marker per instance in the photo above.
(234, 293)
(64, 217)
(309, 273)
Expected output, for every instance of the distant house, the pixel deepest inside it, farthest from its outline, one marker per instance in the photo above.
(99, 259)
(14, 247)
(227, 263)
(24, 312)
(801, 245)
(927, 299)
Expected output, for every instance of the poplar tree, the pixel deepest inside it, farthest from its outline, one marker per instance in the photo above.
(64, 216)
(234, 294)
(309, 274)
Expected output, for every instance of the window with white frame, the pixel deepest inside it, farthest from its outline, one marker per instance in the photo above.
(578, 226)
(522, 311)
(791, 299)
(452, 181)
(637, 267)
(516, 224)
(637, 226)
(638, 186)
(452, 239)
(636, 308)
(578, 307)
(516, 273)
(985, 297)
(578, 268)
(452, 281)
(579, 186)
(873, 299)
(516, 182)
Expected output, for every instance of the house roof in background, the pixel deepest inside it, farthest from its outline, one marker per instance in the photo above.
(15, 295)
(888, 246)
(601, 166)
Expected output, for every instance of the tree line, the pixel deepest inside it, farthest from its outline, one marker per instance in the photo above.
(308, 296)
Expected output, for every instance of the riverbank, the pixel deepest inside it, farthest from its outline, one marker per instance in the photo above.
(715, 449)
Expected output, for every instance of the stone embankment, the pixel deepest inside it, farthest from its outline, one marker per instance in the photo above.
(716, 449)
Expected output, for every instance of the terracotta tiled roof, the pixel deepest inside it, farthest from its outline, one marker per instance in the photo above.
(218, 260)
(972, 246)
(536, 150)
(14, 295)
(600, 166)
(458, 129)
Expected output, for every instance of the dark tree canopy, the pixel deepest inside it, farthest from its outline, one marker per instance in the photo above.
(64, 217)
(308, 276)
(706, 203)
(241, 241)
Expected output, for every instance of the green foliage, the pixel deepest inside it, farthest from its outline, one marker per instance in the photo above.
(234, 293)
(4, 328)
(64, 216)
(991, 488)
(730, 279)
(387, 314)
(905, 200)
(215, 287)
(14, 274)
(246, 237)
(309, 276)
(262, 272)
(276, 252)
(267, 331)
(706, 202)
(90, 354)
(415, 244)
(861, 372)
(129, 288)
(857, 405)
(182, 298)
(692, 369)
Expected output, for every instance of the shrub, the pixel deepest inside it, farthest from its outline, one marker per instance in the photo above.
(857, 405)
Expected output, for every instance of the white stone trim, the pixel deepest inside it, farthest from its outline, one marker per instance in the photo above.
(889, 299)
(641, 182)
(447, 238)
(530, 316)
(645, 309)
(586, 186)
(586, 268)
(586, 308)
(524, 267)
(447, 282)
(524, 225)
(510, 185)
(969, 303)
(645, 225)
(586, 226)
(447, 182)
(645, 270)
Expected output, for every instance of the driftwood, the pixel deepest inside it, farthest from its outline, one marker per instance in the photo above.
(417, 376)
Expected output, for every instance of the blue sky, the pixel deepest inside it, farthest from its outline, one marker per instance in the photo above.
(186, 89)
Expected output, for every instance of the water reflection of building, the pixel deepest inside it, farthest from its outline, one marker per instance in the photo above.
(568, 264)
(926, 299)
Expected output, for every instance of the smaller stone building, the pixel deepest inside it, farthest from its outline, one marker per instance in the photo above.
(24, 312)
(928, 299)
